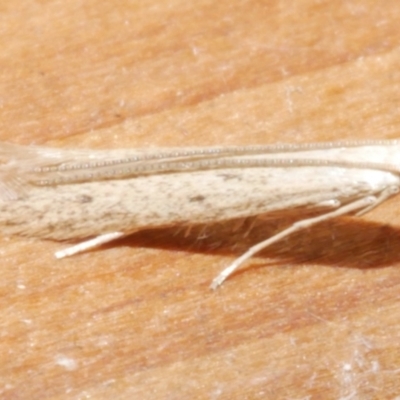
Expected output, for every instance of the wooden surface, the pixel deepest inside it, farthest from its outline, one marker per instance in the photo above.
(316, 317)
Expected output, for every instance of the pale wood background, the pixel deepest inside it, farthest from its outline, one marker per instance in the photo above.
(317, 317)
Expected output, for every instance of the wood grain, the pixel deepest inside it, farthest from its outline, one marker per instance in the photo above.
(316, 317)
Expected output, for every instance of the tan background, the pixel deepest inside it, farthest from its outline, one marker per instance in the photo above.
(317, 317)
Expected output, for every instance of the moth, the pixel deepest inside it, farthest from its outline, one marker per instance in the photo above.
(97, 196)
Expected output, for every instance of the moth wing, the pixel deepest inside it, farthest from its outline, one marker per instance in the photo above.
(22, 166)
(18, 162)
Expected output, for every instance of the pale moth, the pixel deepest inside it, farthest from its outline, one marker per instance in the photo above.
(99, 196)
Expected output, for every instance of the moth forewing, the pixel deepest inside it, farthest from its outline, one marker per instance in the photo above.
(78, 194)
(50, 166)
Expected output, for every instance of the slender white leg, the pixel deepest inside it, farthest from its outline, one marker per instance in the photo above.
(89, 244)
(364, 203)
(390, 191)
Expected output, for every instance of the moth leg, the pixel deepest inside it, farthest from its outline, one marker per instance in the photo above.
(89, 244)
(363, 204)
(390, 191)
